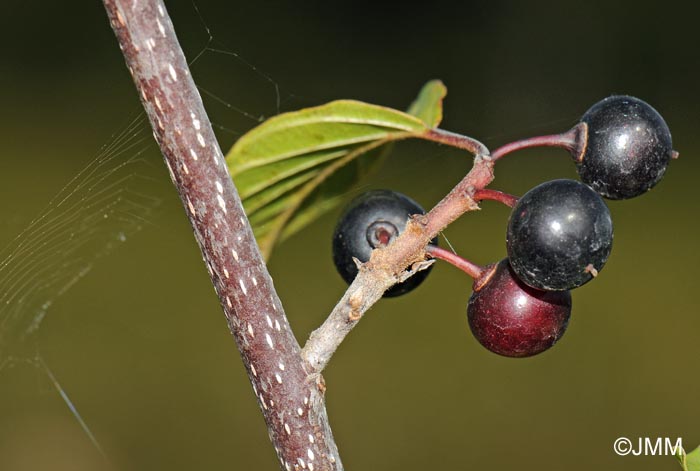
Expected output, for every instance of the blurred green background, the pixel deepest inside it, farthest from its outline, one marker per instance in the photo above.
(141, 345)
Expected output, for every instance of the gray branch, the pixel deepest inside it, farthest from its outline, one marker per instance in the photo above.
(394, 263)
(289, 394)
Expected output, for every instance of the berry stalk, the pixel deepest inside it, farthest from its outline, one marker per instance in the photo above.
(572, 140)
(472, 269)
(495, 195)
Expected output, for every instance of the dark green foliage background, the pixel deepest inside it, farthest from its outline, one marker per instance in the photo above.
(141, 344)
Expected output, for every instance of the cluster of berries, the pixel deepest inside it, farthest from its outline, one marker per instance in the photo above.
(559, 233)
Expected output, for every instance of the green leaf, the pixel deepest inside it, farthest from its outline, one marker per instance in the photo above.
(334, 189)
(428, 104)
(298, 165)
(690, 461)
(336, 125)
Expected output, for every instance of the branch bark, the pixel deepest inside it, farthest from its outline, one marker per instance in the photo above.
(289, 394)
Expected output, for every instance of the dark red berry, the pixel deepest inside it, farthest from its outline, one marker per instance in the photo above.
(512, 319)
(373, 220)
(559, 235)
(628, 147)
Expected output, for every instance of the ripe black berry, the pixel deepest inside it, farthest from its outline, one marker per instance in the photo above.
(628, 147)
(372, 220)
(512, 319)
(559, 235)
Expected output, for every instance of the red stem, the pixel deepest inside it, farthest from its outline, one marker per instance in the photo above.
(452, 258)
(495, 195)
(572, 140)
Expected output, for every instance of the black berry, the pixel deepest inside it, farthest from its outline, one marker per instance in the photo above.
(559, 235)
(512, 319)
(628, 147)
(372, 220)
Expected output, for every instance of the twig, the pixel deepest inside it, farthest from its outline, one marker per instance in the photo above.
(388, 265)
(290, 398)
